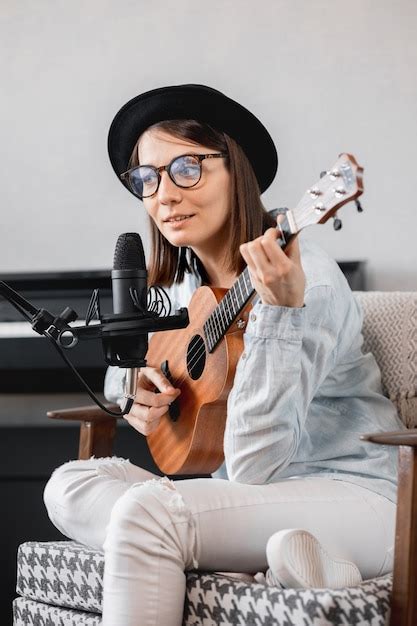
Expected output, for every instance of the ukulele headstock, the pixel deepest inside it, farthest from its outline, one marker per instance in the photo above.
(341, 184)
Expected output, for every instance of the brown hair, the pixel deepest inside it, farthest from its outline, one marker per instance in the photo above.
(248, 217)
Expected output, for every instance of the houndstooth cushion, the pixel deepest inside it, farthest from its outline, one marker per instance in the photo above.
(27, 612)
(390, 333)
(69, 575)
(218, 601)
(62, 573)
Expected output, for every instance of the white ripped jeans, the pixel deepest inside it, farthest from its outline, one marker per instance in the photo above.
(152, 530)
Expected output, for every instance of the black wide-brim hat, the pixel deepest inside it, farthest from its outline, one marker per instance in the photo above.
(194, 102)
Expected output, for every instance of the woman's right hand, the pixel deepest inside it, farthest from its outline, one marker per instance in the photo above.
(149, 406)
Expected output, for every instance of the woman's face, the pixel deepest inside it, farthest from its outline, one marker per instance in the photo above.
(207, 202)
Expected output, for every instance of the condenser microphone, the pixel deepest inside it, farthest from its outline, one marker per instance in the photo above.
(129, 276)
(130, 290)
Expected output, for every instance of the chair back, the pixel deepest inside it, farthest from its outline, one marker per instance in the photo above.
(390, 333)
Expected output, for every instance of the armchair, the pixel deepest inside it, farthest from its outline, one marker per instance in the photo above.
(61, 582)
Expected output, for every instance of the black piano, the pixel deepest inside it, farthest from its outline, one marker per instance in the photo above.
(28, 362)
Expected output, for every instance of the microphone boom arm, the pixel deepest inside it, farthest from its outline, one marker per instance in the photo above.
(114, 328)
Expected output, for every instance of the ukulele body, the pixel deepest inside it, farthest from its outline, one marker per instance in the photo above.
(189, 439)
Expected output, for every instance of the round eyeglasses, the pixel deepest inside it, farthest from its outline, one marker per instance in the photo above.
(184, 171)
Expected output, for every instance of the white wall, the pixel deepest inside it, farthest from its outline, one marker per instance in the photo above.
(324, 77)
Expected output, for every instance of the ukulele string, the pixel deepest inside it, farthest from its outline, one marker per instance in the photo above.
(195, 357)
(194, 360)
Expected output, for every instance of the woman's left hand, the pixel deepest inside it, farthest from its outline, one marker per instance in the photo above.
(277, 276)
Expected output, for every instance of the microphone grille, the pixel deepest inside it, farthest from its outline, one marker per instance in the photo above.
(129, 254)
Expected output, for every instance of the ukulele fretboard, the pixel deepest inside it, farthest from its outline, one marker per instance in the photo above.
(228, 309)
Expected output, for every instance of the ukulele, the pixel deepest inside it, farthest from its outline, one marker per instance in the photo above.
(201, 359)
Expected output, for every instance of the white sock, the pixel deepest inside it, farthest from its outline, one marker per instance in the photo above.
(297, 559)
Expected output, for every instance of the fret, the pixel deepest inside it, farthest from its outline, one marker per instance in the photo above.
(214, 325)
(241, 286)
(241, 292)
(210, 342)
(238, 294)
(235, 297)
(226, 308)
(212, 331)
(218, 322)
(228, 303)
(231, 304)
(206, 328)
(233, 301)
(223, 324)
(248, 284)
(226, 312)
(248, 292)
(222, 312)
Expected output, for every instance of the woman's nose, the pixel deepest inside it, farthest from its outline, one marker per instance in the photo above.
(168, 190)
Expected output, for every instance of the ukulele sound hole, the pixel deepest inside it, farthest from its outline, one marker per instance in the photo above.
(196, 357)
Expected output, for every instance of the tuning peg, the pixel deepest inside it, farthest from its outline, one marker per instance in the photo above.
(337, 223)
(359, 206)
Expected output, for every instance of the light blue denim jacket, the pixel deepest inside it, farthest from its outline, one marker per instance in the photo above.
(303, 390)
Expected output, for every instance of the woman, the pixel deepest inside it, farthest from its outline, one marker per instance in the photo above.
(303, 391)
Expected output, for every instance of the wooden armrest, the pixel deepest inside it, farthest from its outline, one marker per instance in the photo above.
(97, 428)
(404, 587)
(395, 438)
(91, 413)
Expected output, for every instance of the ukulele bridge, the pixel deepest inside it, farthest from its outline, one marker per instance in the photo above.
(174, 407)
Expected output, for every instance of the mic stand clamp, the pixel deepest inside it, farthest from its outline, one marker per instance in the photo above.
(57, 327)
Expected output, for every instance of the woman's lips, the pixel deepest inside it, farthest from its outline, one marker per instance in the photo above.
(179, 223)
